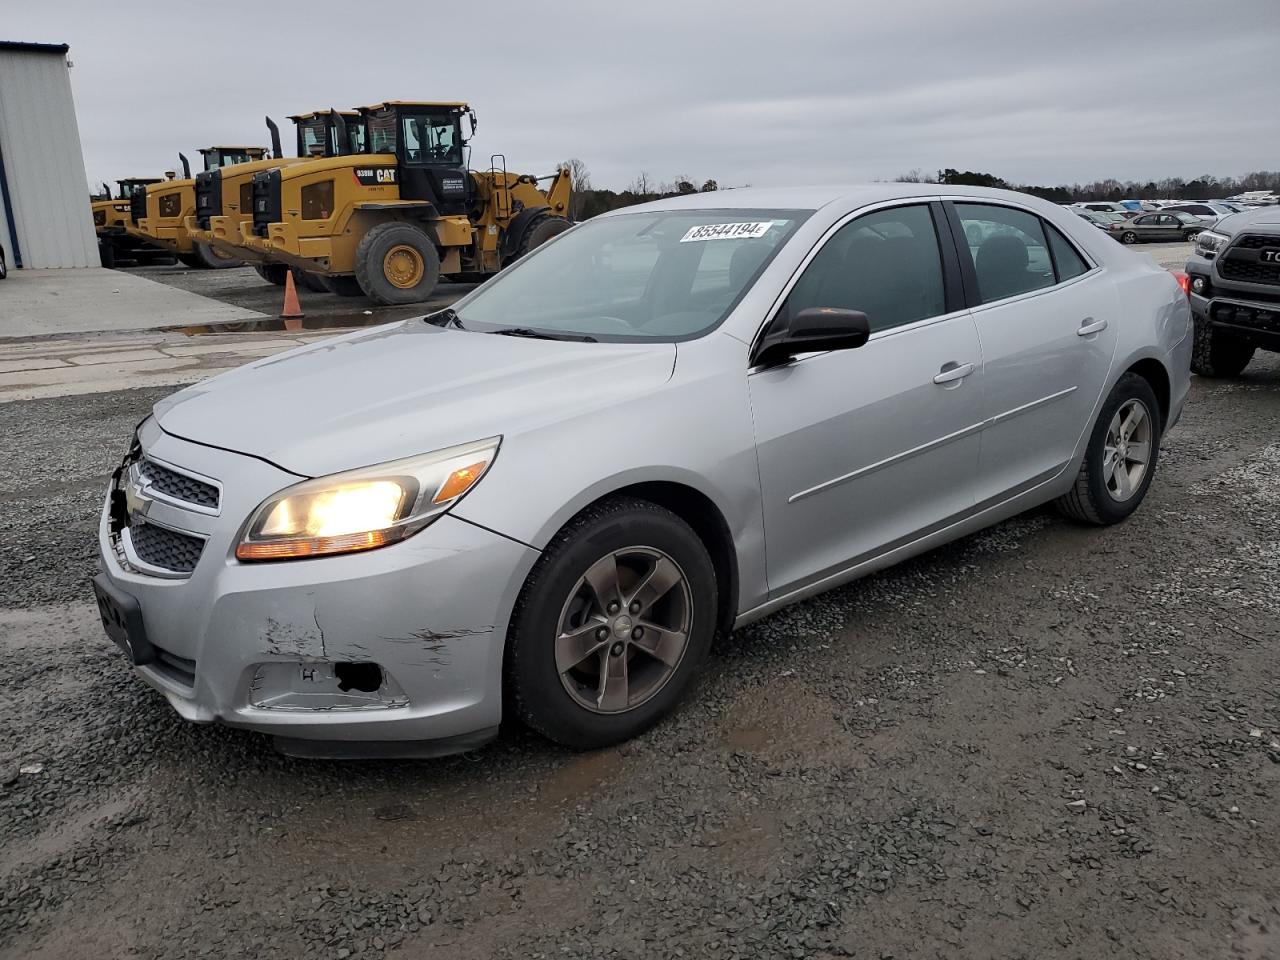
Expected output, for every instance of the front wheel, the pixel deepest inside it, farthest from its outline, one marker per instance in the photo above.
(1121, 457)
(1217, 354)
(397, 263)
(342, 286)
(271, 272)
(612, 625)
(1190, 236)
(210, 258)
(1128, 237)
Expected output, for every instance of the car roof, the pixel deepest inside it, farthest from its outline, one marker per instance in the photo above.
(850, 196)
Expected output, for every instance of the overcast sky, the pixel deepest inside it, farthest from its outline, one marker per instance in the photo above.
(805, 91)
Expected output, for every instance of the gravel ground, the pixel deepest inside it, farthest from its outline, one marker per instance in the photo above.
(1039, 741)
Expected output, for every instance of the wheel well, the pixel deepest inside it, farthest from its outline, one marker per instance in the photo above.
(1154, 373)
(699, 512)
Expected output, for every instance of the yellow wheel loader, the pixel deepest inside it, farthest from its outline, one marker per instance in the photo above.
(110, 220)
(160, 214)
(390, 222)
(223, 196)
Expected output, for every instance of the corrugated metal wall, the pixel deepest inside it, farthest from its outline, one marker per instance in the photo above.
(43, 163)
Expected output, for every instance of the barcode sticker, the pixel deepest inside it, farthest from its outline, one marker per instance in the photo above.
(727, 231)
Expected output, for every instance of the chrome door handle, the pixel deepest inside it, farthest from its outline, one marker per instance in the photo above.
(953, 371)
(1090, 325)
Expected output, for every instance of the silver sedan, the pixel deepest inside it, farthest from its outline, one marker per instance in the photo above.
(668, 422)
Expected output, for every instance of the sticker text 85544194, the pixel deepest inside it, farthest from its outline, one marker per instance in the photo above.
(726, 231)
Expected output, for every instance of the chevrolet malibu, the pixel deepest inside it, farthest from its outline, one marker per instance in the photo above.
(670, 421)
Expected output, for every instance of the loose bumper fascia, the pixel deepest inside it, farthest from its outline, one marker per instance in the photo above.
(432, 611)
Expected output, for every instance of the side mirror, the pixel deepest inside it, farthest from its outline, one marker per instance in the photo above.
(815, 329)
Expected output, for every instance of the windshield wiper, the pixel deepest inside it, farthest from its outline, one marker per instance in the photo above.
(448, 317)
(543, 334)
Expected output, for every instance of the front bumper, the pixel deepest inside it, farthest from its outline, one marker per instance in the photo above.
(1238, 309)
(220, 236)
(256, 645)
(170, 235)
(283, 244)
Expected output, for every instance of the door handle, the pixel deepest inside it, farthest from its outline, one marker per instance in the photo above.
(1090, 325)
(953, 371)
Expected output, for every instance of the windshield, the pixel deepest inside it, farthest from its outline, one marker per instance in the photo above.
(381, 129)
(638, 276)
(1186, 217)
(311, 137)
(432, 139)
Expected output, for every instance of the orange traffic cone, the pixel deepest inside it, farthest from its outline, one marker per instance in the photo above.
(291, 312)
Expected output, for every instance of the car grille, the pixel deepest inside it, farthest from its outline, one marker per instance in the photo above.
(1236, 264)
(179, 486)
(165, 548)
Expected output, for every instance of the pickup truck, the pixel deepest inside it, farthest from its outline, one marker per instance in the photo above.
(1234, 280)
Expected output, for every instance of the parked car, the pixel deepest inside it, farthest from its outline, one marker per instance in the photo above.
(1234, 275)
(1105, 206)
(1099, 220)
(1151, 227)
(1206, 212)
(669, 421)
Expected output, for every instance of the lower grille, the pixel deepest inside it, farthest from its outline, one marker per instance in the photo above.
(178, 669)
(165, 548)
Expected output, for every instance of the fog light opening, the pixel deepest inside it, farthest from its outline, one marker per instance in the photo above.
(365, 677)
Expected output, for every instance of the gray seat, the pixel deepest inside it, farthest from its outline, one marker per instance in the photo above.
(1001, 266)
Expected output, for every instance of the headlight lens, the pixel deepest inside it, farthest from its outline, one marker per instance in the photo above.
(1209, 242)
(366, 508)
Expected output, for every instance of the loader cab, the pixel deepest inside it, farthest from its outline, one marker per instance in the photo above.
(215, 158)
(127, 188)
(428, 144)
(320, 135)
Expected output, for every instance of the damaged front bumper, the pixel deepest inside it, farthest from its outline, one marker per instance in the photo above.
(396, 651)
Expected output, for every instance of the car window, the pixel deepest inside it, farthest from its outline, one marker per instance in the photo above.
(1065, 258)
(1007, 249)
(885, 264)
(1145, 221)
(654, 275)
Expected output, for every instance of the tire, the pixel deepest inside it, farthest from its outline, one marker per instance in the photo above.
(542, 228)
(311, 281)
(189, 260)
(555, 593)
(342, 286)
(1217, 354)
(4, 266)
(107, 254)
(210, 259)
(1092, 499)
(1190, 236)
(1128, 237)
(391, 246)
(271, 272)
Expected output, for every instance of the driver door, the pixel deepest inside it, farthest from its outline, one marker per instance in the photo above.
(865, 449)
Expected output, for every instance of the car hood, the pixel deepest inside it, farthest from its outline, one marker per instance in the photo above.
(1264, 219)
(405, 389)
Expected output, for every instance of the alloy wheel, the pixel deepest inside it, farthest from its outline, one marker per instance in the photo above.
(1126, 452)
(624, 629)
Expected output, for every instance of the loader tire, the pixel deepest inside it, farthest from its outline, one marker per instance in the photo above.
(271, 272)
(542, 229)
(312, 281)
(342, 286)
(210, 259)
(397, 263)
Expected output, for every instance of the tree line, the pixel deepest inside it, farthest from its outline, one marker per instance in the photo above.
(589, 201)
(1204, 187)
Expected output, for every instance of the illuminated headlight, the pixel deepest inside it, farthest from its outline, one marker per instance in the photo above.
(1209, 242)
(365, 508)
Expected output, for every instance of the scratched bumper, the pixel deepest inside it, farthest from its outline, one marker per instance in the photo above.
(432, 612)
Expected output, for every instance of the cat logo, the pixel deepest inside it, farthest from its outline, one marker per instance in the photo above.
(375, 176)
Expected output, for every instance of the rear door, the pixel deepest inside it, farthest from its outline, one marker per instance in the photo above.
(1046, 318)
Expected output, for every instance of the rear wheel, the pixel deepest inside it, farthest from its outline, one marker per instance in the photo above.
(542, 229)
(212, 259)
(1128, 237)
(342, 286)
(1190, 235)
(1217, 354)
(397, 263)
(612, 625)
(1121, 457)
(271, 272)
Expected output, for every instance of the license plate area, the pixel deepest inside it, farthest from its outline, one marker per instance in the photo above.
(121, 617)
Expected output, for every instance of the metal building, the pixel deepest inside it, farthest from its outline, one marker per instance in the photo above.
(45, 219)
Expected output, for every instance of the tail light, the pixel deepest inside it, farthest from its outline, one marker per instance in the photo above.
(1184, 281)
